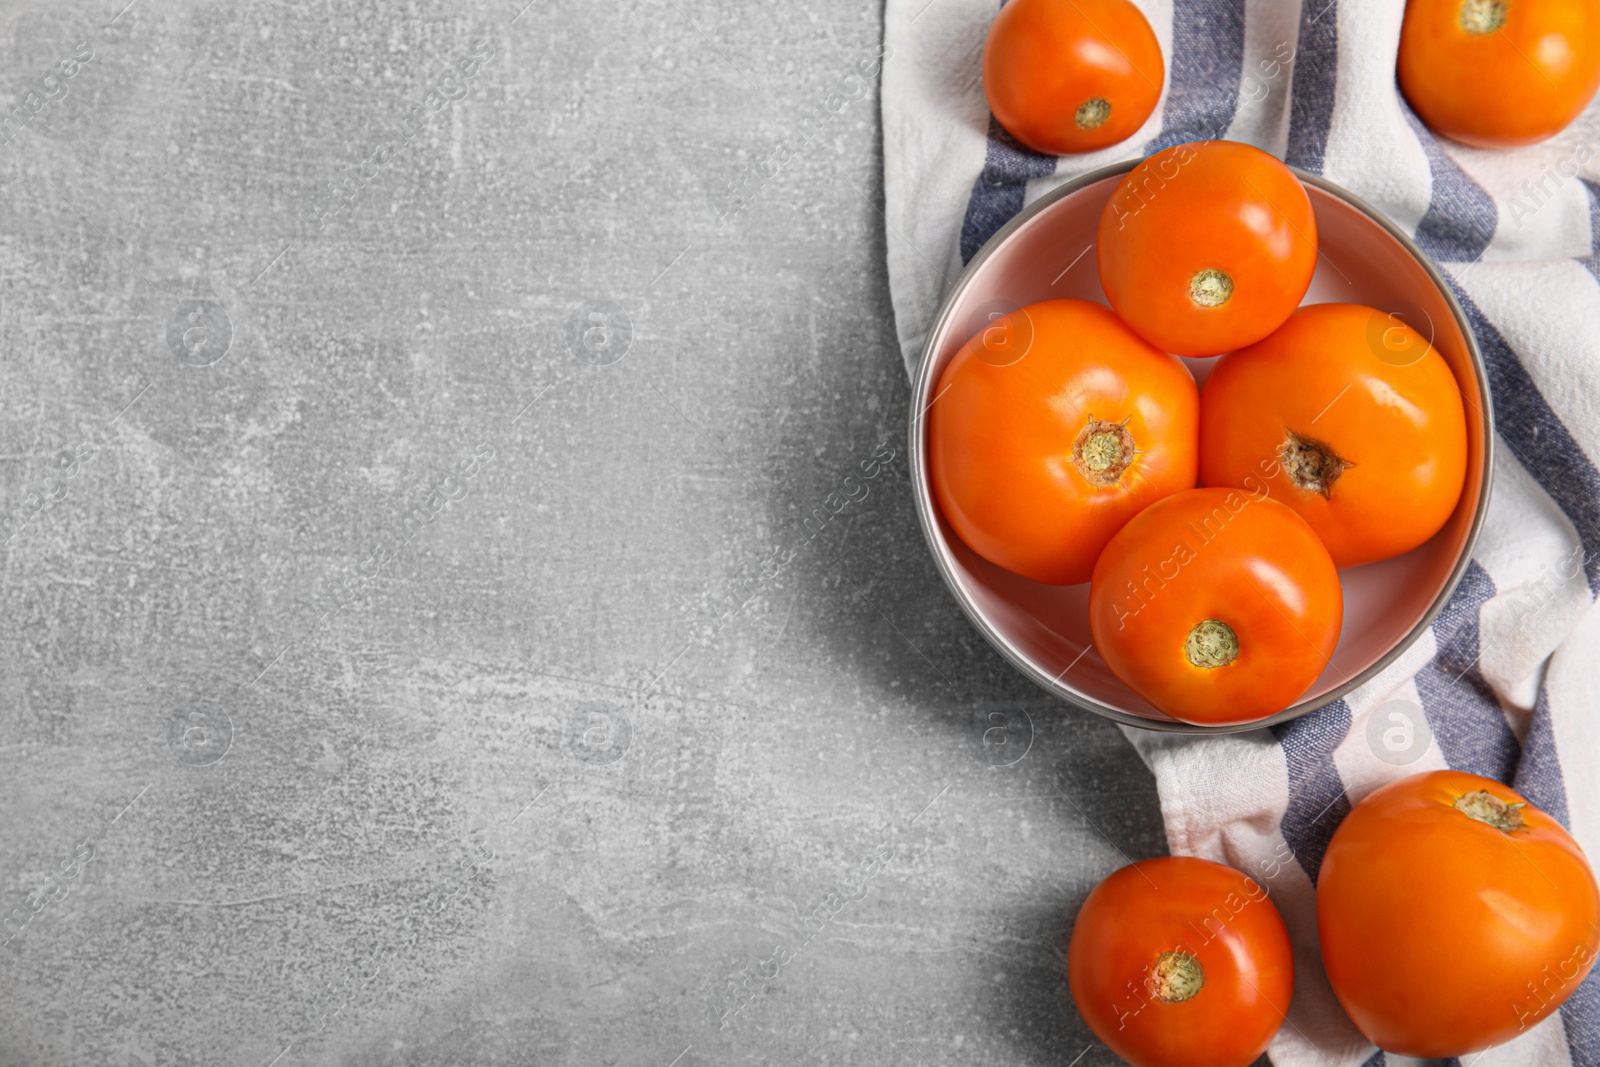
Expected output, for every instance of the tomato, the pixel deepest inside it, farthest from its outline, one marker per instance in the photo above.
(1179, 961)
(1453, 915)
(1219, 606)
(1500, 73)
(1036, 460)
(1207, 247)
(1351, 418)
(1071, 75)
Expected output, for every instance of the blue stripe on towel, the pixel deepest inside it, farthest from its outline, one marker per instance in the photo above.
(1461, 217)
(1592, 260)
(1001, 187)
(1539, 776)
(1580, 1018)
(1317, 802)
(1532, 431)
(1463, 714)
(1458, 226)
(1315, 79)
(1203, 86)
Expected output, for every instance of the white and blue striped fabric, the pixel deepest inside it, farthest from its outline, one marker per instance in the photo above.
(1508, 682)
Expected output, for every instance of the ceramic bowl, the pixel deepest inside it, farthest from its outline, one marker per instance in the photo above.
(1046, 252)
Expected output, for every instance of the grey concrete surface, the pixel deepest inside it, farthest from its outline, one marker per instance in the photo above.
(462, 599)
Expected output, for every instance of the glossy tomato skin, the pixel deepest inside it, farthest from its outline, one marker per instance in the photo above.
(1443, 935)
(1516, 84)
(1046, 64)
(1366, 385)
(1003, 438)
(1226, 555)
(1191, 212)
(1211, 913)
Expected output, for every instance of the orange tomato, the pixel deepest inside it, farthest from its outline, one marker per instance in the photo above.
(1181, 962)
(1219, 606)
(1351, 418)
(1453, 915)
(1207, 247)
(1500, 73)
(1038, 454)
(1071, 75)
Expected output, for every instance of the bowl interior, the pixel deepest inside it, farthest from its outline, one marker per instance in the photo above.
(1045, 629)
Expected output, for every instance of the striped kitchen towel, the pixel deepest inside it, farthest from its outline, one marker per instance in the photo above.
(1507, 684)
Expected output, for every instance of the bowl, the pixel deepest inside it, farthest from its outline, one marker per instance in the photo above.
(1044, 253)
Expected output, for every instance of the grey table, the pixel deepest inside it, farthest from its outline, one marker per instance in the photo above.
(463, 603)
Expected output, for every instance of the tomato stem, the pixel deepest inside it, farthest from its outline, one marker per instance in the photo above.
(1211, 644)
(1092, 113)
(1176, 977)
(1310, 464)
(1483, 16)
(1102, 451)
(1490, 810)
(1210, 288)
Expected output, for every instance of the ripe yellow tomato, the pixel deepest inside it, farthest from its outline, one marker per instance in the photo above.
(1181, 962)
(1207, 247)
(1219, 606)
(1500, 73)
(1071, 75)
(1351, 418)
(1453, 915)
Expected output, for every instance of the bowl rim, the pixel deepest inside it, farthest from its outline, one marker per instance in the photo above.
(927, 509)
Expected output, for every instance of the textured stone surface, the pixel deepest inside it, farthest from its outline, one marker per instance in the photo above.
(419, 682)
